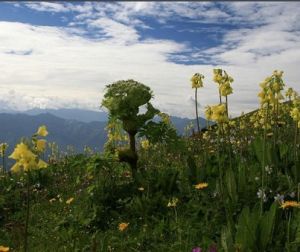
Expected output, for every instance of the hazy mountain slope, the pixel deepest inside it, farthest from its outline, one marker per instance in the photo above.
(96, 116)
(81, 115)
(63, 132)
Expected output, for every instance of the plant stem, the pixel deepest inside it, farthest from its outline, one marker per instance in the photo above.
(226, 97)
(196, 106)
(298, 193)
(263, 161)
(288, 233)
(219, 163)
(295, 141)
(3, 163)
(27, 213)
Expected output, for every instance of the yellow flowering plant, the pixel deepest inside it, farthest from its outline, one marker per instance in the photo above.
(27, 159)
(197, 82)
(290, 204)
(123, 226)
(145, 144)
(219, 113)
(3, 148)
(4, 249)
(224, 81)
(42, 131)
(69, 201)
(200, 186)
(173, 202)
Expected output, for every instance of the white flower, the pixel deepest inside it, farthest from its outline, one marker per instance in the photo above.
(268, 169)
(261, 194)
(292, 194)
(279, 198)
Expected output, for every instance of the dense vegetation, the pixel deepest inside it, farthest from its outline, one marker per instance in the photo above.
(234, 186)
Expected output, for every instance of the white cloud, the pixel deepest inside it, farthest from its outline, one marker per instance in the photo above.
(48, 7)
(74, 68)
(65, 66)
(118, 32)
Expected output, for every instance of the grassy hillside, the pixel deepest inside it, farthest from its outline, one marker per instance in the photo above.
(78, 203)
(233, 188)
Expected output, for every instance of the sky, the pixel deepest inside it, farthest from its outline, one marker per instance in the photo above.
(63, 54)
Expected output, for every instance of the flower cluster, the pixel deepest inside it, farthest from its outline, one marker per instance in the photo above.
(3, 148)
(224, 81)
(197, 80)
(289, 204)
(123, 226)
(271, 88)
(295, 111)
(27, 158)
(200, 186)
(145, 144)
(290, 93)
(173, 202)
(217, 113)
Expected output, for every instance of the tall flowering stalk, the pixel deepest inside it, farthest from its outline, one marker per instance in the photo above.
(270, 97)
(295, 114)
(224, 81)
(197, 82)
(3, 148)
(27, 159)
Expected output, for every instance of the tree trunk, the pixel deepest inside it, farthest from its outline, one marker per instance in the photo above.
(133, 163)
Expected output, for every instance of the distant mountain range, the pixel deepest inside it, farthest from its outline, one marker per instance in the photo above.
(72, 114)
(74, 127)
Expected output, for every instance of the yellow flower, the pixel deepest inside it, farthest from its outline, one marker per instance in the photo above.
(225, 89)
(197, 80)
(16, 168)
(42, 164)
(173, 202)
(69, 201)
(123, 226)
(145, 144)
(288, 204)
(165, 118)
(24, 158)
(201, 186)
(217, 75)
(41, 145)
(295, 114)
(42, 131)
(208, 112)
(289, 93)
(4, 249)
(219, 113)
(3, 147)
(29, 164)
(21, 150)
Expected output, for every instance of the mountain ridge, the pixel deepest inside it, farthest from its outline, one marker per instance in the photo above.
(64, 131)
